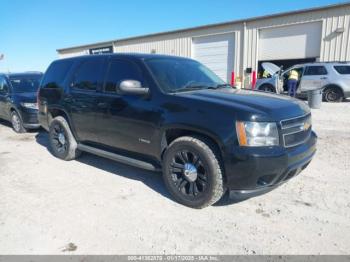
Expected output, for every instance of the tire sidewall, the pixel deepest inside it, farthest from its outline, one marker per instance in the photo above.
(21, 128)
(210, 164)
(333, 89)
(71, 152)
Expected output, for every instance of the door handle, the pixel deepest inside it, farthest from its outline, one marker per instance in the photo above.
(323, 78)
(102, 105)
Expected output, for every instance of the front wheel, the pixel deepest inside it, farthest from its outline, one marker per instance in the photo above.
(267, 88)
(192, 172)
(17, 123)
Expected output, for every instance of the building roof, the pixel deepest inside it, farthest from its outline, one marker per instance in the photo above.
(209, 25)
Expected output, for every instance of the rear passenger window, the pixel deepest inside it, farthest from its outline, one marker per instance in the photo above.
(315, 71)
(56, 74)
(343, 70)
(89, 75)
(120, 70)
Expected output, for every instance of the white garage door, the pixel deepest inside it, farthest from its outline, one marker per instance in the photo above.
(290, 42)
(216, 52)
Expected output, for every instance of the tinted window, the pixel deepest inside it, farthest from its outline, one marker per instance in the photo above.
(120, 70)
(3, 85)
(56, 74)
(315, 70)
(89, 75)
(343, 70)
(180, 74)
(25, 83)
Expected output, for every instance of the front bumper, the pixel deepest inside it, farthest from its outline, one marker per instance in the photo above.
(30, 118)
(255, 171)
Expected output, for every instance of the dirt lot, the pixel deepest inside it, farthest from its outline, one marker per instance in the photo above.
(96, 206)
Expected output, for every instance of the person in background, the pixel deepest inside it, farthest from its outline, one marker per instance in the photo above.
(292, 82)
(266, 74)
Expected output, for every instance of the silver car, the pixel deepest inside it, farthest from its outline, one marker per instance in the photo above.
(333, 78)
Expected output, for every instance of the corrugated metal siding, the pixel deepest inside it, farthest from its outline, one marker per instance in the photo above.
(334, 46)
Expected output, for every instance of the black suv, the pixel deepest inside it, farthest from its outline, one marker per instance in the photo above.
(175, 115)
(18, 94)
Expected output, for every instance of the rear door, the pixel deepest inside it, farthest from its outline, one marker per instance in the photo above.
(315, 77)
(125, 122)
(81, 102)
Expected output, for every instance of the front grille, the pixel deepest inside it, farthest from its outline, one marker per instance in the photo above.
(296, 131)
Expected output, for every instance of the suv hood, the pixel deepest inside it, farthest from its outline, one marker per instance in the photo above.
(255, 105)
(270, 67)
(29, 97)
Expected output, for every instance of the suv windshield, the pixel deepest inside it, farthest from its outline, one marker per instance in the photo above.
(25, 83)
(176, 75)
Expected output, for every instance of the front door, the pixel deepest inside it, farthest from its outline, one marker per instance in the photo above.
(126, 122)
(315, 77)
(82, 98)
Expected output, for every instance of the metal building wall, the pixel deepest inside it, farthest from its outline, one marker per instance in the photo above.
(178, 44)
(334, 46)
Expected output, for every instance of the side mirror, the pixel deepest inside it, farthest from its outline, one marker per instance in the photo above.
(132, 87)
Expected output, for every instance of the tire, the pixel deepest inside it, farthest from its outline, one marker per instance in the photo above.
(267, 88)
(192, 172)
(62, 142)
(17, 123)
(333, 94)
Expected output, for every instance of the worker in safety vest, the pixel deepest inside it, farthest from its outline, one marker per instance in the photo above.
(292, 82)
(266, 74)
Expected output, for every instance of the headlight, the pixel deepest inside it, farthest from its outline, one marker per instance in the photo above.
(257, 133)
(30, 105)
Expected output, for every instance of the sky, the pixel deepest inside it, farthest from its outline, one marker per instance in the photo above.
(31, 31)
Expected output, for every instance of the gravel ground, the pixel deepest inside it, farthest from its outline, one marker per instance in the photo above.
(96, 206)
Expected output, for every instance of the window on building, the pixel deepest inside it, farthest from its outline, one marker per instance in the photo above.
(89, 75)
(120, 70)
(315, 70)
(343, 70)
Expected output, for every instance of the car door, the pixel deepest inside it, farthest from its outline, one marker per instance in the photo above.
(315, 77)
(126, 122)
(81, 100)
(4, 98)
(285, 76)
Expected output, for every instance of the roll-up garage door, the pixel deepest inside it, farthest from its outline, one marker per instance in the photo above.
(290, 42)
(216, 52)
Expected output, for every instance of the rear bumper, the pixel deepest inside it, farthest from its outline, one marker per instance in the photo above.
(255, 171)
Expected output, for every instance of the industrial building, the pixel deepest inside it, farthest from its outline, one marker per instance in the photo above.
(239, 47)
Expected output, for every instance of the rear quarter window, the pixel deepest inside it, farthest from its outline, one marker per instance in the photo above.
(343, 70)
(56, 74)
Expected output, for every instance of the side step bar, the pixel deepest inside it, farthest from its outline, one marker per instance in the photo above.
(118, 158)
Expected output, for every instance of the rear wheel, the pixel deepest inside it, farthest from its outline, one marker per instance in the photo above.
(62, 142)
(192, 172)
(17, 123)
(333, 94)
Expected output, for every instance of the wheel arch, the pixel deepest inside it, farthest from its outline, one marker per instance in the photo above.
(171, 133)
(57, 111)
(328, 86)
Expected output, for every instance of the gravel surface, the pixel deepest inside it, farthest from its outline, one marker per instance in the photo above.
(97, 206)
